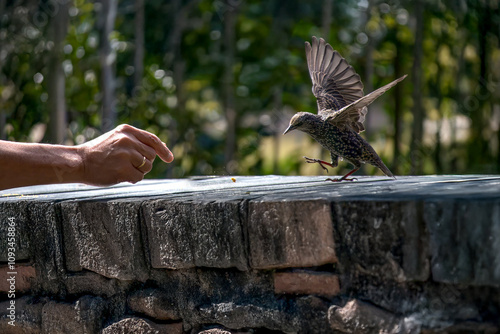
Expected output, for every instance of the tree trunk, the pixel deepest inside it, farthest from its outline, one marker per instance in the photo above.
(478, 147)
(3, 116)
(416, 146)
(463, 37)
(326, 20)
(107, 60)
(398, 98)
(228, 87)
(177, 61)
(277, 108)
(368, 80)
(139, 43)
(55, 77)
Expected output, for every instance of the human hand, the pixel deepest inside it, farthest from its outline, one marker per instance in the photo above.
(124, 154)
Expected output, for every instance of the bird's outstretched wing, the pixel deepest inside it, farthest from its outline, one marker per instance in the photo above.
(354, 113)
(335, 83)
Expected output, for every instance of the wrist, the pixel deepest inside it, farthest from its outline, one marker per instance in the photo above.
(77, 162)
(69, 168)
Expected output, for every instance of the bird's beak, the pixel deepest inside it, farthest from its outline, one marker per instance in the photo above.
(290, 128)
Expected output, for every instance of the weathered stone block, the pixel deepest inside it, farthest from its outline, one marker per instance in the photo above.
(236, 316)
(306, 283)
(141, 326)
(312, 312)
(28, 316)
(385, 239)
(104, 237)
(46, 247)
(224, 331)
(290, 234)
(362, 318)
(385, 235)
(195, 234)
(90, 283)
(83, 317)
(469, 327)
(155, 303)
(23, 277)
(464, 241)
(215, 331)
(14, 214)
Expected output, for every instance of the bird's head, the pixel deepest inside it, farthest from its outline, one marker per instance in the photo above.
(301, 121)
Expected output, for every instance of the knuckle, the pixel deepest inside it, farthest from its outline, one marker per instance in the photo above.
(124, 139)
(122, 155)
(123, 128)
(150, 154)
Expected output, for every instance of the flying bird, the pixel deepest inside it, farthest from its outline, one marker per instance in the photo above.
(342, 107)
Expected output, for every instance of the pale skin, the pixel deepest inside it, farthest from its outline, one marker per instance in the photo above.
(124, 154)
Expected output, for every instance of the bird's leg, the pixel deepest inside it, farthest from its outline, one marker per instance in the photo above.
(320, 162)
(345, 177)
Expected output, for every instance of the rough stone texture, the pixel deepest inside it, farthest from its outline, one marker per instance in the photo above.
(195, 234)
(24, 275)
(155, 303)
(45, 237)
(290, 234)
(359, 317)
(141, 326)
(224, 331)
(412, 255)
(37, 239)
(17, 213)
(466, 327)
(215, 331)
(384, 239)
(312, 313)
(306, 283)
(90, 283)
(83, 317)
(465, 242)
(104, 237)
(236, 316)
(28, 316)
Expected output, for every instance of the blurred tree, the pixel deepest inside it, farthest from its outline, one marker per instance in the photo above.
(326, 20)
(3, 52)
(416, 146)
(219, 79)
(139, 26)
(107, 10)
(230, 17)
(56, 79)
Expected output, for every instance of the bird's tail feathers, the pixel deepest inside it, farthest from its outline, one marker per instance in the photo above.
(384, 169)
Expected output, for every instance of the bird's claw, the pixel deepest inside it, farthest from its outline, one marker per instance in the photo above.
(313, 161)
(341, 179)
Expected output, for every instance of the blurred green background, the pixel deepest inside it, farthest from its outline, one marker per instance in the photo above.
(218, 80)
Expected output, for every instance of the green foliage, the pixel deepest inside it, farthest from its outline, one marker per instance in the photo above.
(270, 78)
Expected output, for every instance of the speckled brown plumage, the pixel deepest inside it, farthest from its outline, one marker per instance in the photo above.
(341, 109)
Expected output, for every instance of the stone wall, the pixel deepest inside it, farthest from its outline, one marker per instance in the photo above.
(262, 254)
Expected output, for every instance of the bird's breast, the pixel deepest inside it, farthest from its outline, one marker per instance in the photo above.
(343, 142)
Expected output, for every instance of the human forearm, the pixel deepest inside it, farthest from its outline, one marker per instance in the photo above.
(23, 164)
(124, 154)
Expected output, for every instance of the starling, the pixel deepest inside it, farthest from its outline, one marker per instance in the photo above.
(341, 110)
